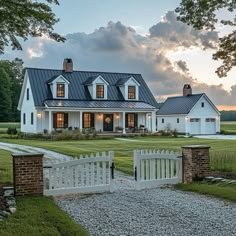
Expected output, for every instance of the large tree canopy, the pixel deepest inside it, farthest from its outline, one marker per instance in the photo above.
(24, 18)
(202, 14)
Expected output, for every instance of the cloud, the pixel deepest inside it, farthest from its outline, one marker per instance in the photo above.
(119, 48)
(176, 34)
(182, 65)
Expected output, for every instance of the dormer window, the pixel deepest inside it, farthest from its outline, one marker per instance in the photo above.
(97, 87)
(99, 91)
(60, 90)
(131, 92)
(59, 87)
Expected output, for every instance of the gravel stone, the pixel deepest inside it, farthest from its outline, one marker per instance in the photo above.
(150, 212)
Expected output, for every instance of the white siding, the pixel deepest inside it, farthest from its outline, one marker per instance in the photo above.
(26, 108)
(171, 123)
(73, 119)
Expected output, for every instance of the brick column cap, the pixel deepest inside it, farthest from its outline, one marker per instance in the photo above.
(195, 146)
(26, 154)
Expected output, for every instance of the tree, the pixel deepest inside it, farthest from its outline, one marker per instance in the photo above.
(5, 96)
(201, 14)
(24, 18)
(14, 70)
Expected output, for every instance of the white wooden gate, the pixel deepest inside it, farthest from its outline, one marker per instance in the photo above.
(84, 175)
(153, 168)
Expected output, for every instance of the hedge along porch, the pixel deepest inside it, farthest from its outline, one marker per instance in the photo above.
(102, 121)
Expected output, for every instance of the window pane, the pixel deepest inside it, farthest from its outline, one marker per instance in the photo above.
(87, 120)
(60, 90)
(32, 118)
(60, 120)
(131, 120)
(131, 92)
(100, 91)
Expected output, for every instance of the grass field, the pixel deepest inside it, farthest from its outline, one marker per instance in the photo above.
(228, 126)
(39, 216)
(124, 149)
(5, 167)
(227, 192)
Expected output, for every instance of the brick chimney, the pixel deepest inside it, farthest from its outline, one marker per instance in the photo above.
(187, 90)
(68, 65)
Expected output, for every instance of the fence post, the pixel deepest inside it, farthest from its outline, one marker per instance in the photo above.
(195, 162)
(28, 174)
(112, 167)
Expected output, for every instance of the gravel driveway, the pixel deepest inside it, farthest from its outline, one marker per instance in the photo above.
(151, 212)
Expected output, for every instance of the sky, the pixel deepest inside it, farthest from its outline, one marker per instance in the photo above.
(134, 36)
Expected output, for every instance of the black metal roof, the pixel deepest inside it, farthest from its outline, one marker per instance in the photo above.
(98, 104)
(179, 105)
(78, 91)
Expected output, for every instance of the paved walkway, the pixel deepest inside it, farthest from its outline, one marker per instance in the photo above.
(223, 137)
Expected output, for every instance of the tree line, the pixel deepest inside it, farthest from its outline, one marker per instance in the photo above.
(11, 79)
(228, 116)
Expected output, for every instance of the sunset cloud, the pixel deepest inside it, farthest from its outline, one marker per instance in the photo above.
(119, 48)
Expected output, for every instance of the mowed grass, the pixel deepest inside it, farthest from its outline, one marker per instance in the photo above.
(228, 126)
(227, 192)
(5, 167)
(124, 148)
(39, 216)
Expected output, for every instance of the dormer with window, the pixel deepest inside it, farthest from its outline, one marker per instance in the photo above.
(59, 87)
(97, 87)
(129, 88)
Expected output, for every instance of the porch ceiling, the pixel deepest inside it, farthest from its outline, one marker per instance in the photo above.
(98, 104)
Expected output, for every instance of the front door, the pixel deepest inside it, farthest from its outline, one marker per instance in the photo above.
(108, 122)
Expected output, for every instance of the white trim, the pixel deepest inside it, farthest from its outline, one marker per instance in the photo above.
(132, 78)
(59, 77)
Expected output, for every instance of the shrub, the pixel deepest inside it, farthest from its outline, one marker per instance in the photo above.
(11, 131)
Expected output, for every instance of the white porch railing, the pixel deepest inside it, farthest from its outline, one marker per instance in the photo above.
(84, 175)
(153, 168)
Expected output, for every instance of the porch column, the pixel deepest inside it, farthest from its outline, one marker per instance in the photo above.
(49, 121)
(81, 120)
(154, 121)
(123, 122)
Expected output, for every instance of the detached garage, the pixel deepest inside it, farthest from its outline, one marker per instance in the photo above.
(192, 114)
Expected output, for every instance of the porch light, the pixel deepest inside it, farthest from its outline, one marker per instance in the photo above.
(117, 117)
(39, 115)
(149, 116)
(99, 116)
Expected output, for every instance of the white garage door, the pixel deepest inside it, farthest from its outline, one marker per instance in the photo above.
(195, 126)
(210, 126)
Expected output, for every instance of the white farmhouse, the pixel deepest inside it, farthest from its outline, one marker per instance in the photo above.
(190, 114)
(67, 99)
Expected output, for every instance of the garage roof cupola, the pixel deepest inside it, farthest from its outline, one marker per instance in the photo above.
(68, 65)
(187, 90)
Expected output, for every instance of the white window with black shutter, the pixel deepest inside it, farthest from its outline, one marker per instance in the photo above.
(131, 120)
(60, 120)
(88, 120)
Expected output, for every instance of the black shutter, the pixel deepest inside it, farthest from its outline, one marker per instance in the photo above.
(65, 120)
(126, 120)
(136, 120)
(54, 120)
(92, 120)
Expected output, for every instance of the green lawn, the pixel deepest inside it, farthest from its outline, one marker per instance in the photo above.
(227, 192)
(5, 167)
(228, 126)
(38, 216)
(124, 148)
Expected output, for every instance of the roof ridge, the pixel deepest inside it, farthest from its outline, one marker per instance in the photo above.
(106, 72)
(196, 94)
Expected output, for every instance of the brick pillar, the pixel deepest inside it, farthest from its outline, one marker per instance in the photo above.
(195, 162)
(28, 174)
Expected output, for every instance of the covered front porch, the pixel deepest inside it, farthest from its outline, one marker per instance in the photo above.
(102, 121)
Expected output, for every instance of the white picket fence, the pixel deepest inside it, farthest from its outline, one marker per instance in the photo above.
(84, 175)
(153, 168)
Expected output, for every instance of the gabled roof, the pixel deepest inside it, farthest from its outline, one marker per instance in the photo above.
(123, 81)
(91, 79)
(77, 91)
(55, 77)
(180, 105)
